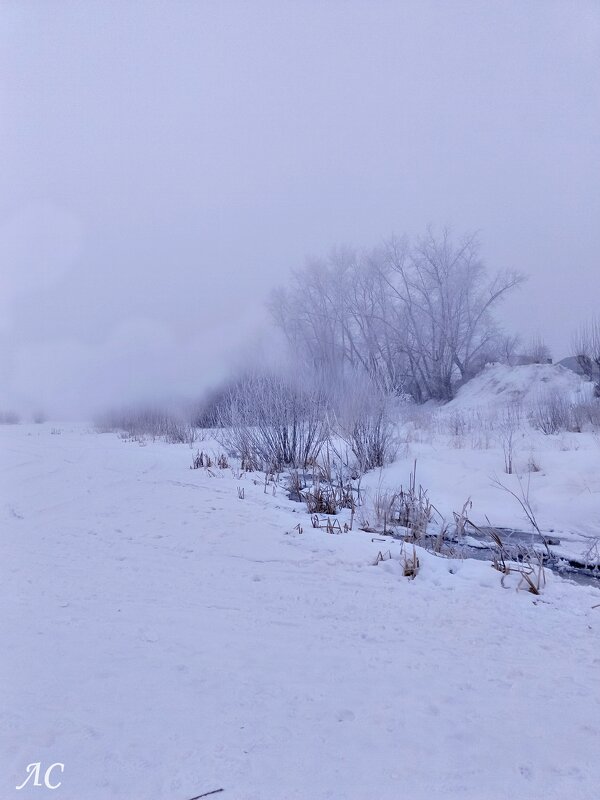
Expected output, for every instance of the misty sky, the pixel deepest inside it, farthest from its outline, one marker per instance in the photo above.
(163, 164)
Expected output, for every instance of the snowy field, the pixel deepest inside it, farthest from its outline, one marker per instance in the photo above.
(164, 638)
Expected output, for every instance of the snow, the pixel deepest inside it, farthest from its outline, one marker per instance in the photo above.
(163, 638)
(564, 495)
(499, 384)
(453, 467)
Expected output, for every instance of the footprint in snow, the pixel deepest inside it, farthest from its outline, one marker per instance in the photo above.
(148, 635)
(526, 772)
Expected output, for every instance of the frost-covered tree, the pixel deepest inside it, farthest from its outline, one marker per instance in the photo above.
(416, 318)
(448, 301)
(337, 318)
(537, 352)
(586, 344)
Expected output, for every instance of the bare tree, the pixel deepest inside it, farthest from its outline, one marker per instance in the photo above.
(586, 344)
(508, 427)
(448, 303)
(538, 352)
(415, 319)
(337, 318)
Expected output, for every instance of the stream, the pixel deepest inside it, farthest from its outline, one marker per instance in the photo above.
(515, 542)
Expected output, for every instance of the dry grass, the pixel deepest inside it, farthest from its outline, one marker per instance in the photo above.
(200, 460)
(382, 557)
(410, 564)
(330, 525)
(327, 498)
(320, 500)
(461, 519)
(295, 485)
(407, 508)
(529, 567)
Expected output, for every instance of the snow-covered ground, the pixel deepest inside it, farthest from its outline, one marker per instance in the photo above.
(458, 449)
(163, 638)
(498, 384)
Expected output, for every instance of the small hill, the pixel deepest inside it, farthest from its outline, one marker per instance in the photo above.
(500, 384)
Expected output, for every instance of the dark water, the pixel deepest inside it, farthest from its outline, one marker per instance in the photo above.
(517, 544)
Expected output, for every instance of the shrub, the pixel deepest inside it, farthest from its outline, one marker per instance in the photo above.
(508, 425)
(9, 418)
(270, 421)
(365, 424)
(151, 421)
(458, 424)
(586, 414)
(551, 413)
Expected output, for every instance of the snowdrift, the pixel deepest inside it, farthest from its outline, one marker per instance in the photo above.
(499, 385)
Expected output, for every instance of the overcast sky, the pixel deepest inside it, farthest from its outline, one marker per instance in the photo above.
(163, 164)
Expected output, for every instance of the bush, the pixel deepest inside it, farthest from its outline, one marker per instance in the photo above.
(148, 421)
(508, 426)
(551, 414)
(586, 414)
(365, 424)
(270, 421)
(480, 425)
(370, 439)
(9, 418)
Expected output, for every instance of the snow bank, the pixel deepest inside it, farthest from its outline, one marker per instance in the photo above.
(499, 385)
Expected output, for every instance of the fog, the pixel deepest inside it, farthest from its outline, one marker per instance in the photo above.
(165, 164)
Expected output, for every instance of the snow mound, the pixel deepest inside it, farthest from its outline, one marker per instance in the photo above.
(500, 384)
